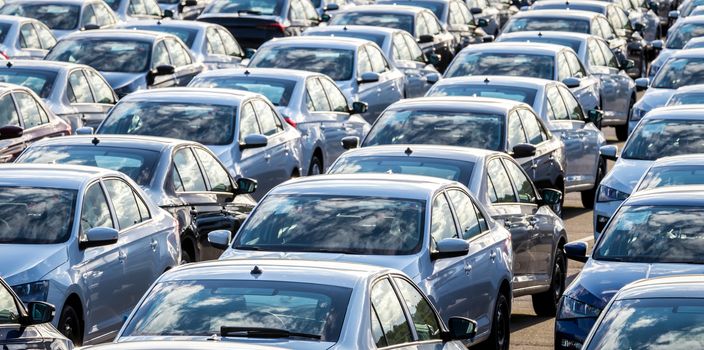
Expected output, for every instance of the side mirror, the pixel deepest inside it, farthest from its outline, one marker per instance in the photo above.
(90, 26)
(359, 107)
(576, 251)
(10, 132)
(434, 58)
(642, 84)
(460, 328)
(99, 236)
(331, 7)
(84, 130)
(189, 3)
(522, 150)
(40, 312)
(246, 185)
(595, 116)
(476, 10)
(482, 22)
(254, 141)
(425, 39)
(488, 38)
(164, 69)
(350, 142)
(674, 14)
(550, 197)
(248, 53)
(368, 77)
(609, 152)
(657, 44)
(432, 78)
(572, 82)
(219, 239)
(167, 14)
(450, 248)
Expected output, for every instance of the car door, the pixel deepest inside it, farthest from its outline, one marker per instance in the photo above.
(515, 135)
(545, 162)
(46, 37)
(279, 149)
(598, 67)
(30, 43)
(389, 325)
(586, 93)
(160, 57)
(9, 116)
(104, 15)
(563, 127)
(182, 60)
(586, 137)
(218, 55)
(331, 121)
(390, 84)
(232, 47)
(103, 95)
(368, 92)
(620, 94)
(35, 118)
(252, 161)
(88, 17)
(409, 59)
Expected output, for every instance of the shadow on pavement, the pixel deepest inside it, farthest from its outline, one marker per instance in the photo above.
(521, 321)
(571, 212)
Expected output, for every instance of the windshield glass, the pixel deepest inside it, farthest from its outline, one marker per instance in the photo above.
(497, 63)
(689, 6)
(41, 82)
(105, 55)
(136, 163)
(673, 175)
(204, 123)
(202, 307)
(460, 171)
(4, 29)
(433, 127)
(278, 91)
(521, 94)
(681, 36)
(557, 24)
(376, 38)
(567, 5)
(686, 98)
(338, 64)
(31, 215)
(678, 72)
(187, 35)
(654, 139)
(388, 20)
(654, 234)
(573, 44)
(437, 7)
(54, 16)
(254, 7)
(339, 224)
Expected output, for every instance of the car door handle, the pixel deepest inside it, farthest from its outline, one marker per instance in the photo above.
(467, 268)
(121, 257)
(154, 243)
(492, 255)
(267, 157)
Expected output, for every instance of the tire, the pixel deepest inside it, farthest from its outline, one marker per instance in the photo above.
(545, 303)
(316, 166)
(622, 130)
(500, 336)
(70, 325)
(589, 196)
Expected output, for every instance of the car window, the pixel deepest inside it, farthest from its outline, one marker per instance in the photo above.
(267, 118)
(503, 192)
(596, 57)
(526, 193)
(338, 102)
(596, 29)
(186, 174)
(46, 37)
(316, 100)
(556, 109)
(179, 53)
(296, 13)
(573, 108)
(309, 10)
(613, 17)
(516, 134)
(421, 26)
(442, 225)
(95, 211)
(416, 52)
(88, 16)
(136, 7)
(563, 68)
(124, 203)
(432, 22)
(214, 42)
(231, 46)
(103, 14)
(248, 122)
(609, 56)
(152, 8)
(422, 314)
(400, 49)
(466, 213)
(160, 55)
(392, 321)
(78, 88)
(217, 176)
(29, 109)
(532, 127)
(607, 32)
(101, 90)
(363, 63)
(29, 39)
(575, 66)
(8, 112)
(9, 314)
(455, 16)
(377, 59)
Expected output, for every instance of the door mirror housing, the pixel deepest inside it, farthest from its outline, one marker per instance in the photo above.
(450, 248)
(609, 152)
(164, 69)
(595, 117)
(657, 44)
(219, 239)
(99, 236)
(482, 22)
(84, 130)
(245, 185)
(359, 107)
(550, 196)
(522, 150)
(460, 328)
(167, 14)
(254, 141)
(10, 132)
(642, 84)
(425, 39)
(572, 82)
(576, 251)
(350, 142)
(39, 312)
(476, 10)
(331, 7)
(368, 77)
(432, 78)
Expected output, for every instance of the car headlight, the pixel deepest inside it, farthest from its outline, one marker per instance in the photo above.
(637, 113)
(35, 291)
(608, 194)
(573, 308)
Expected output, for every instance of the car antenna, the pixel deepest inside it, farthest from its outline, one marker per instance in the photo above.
(246, 72)
(540, 34)
(408, 151)
(9, 64)
(486, 80)
(95, 141)
(256, 271)
(158, 22)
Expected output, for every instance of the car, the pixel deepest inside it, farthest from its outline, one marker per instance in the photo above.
(181, 345)
(63, 16)
(677, 37)
(24, 38)
(254, 23)
(682, 69)
(292, 304)
(680, 170)
(86, 240)
(241, 128)
(694, 43)
(539, 265)
(399, 47)
(130, 60)
(29, 326)
(487, 123)
(421, 23)
(687, 95)
(562, 115)
(398, 221)
(545, 61)
(654, 233)
(24, 119)
(484, 9)
(131, 10)
(664, 132)
(76, 93)
(507, 8)
(357, 66)
(210, 44)
(666, 310)
(617, 90)
(183, 10)
(684, 9)
(697, 11)
(310, 102)
(209, 200)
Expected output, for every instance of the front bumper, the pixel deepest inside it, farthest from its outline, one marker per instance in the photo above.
(570, 334)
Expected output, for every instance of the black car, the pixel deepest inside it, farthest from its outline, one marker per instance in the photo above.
(28, 327)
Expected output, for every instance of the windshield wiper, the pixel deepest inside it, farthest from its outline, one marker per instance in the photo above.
(257, 332)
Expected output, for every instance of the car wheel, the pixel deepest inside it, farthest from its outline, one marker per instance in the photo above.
(545, 304)
(588, 196)
(70, 325)
(499, 339)
(316, 166)
(622, 130)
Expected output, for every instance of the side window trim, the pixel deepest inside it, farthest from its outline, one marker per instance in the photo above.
(90, 87)
(513, 183)
(256, 120)
(113, 215)
(136, 197)
(201, 167)
(476, 210)
(404, 307)
(200, 170)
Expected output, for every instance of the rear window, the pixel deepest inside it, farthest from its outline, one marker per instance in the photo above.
(388, 20)
(557, 24)
(278, 91)
(514, 93)
(54, 16)
(41, 82)
(460, 171)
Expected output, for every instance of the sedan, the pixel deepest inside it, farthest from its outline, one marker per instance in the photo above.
(130, 10)
(64, 16)
(453, 251)
(24, 38)
(681, 170)
(678, 36)
(485, 9)
(86, 240)
(687, 95)
(654, 233)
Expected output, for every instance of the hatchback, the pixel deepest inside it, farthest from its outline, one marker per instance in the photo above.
(24, 38)
(64, 16)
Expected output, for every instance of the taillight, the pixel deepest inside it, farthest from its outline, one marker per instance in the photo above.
(276, 25)
(290, 121)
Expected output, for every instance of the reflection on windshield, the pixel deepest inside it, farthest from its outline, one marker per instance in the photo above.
(673, 175)
(520, 94)
(435, 167)
(335, 63)
(35, 215)
(41, 82)
(572, 44)
(256, 7)
(388, 20)
(558, 24)
(186, 35)
(686, 98)
(681, 36)
(105, 55)
(655, 139)
(278, 91)
(511, 64)
(54, 16)
(678, 72)
(376, 38)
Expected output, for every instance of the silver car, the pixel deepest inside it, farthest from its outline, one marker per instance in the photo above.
(687, 95)
(400, 48)
(289, 304)
(76, 93)
(243, 129)
(452, 251)
(130, 10)
(86, 240)
(359, 67)
(24, 38)
(560, 112)
(310, 102)
(64, 16)
(678, 36)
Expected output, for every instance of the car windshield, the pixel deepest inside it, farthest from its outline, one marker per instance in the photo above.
(498, 63)
(54, 16)
(4, 29)
(278, 91)
(515, 93)
(254, 7)
(204, 123)
(437, 7)
(678, 72)
(198, 307)
(681, 36)
(388, 20)
(334, 224)
(41, 82)
(454, 170)
(466, 129)
(672, 175)
(187, 35)
(572, 44)
(686, 98)
(136, 163)
(657, 138)
(105, 55)
(694, 43)
(556, 24)
(568, 6)
(689, 6)
(376, 38)
(654, 234)
(338, 64)
(32, 215)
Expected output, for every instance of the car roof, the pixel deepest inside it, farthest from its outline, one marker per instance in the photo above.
(123, 34)
(50, 175)
(278, 73)
(174, 23)
(489, 80)
(70, 2)
(682, 112)
(182, 345)
(40, 65)
(690, 195)
(475, 155)
(355, 28)
(546, 34)
(16, 19)
(152, 143)
(683, 286)
(401, 9)
(5, 87)
(318, 41)
(404, 2)
(681, 160)
(517, 47)
(691, 88)
(229, 97)
(689, 53)
(575, 3)
(463, 103)
(562, 13)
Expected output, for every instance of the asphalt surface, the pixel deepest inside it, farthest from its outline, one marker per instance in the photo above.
(529, 331)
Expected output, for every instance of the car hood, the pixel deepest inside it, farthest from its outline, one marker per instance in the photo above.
(198, 343)
(625, 174)
(118, 80)
(25, 263)
(654, 98)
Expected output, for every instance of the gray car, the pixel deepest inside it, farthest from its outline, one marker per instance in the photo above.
(86, 240)
(560, 112)
(431, 229)
(64, 16)
(242, 129)
(311, 102)
(210, 44)
(359, 67)
(537, 234)
(24, 38)
(76, 93)
(678, 37)
(130, 10)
